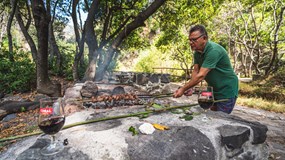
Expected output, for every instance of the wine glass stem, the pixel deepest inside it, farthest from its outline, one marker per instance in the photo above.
(52, 143)
(205, 118)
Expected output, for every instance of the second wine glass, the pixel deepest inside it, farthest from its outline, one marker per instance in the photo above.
(51, 120)
(205, 99)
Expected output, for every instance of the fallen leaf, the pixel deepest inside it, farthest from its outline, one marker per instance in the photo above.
(160, 127)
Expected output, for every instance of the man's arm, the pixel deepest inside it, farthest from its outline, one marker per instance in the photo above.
(195, 70)
(197, 76)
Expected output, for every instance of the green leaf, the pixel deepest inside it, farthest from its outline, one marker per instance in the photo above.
(133, 130)
(177, 111)
(187, 117)
(196, 113)
(23, 109)
(157, 106)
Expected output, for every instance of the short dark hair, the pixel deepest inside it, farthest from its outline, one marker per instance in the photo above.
(199, 28)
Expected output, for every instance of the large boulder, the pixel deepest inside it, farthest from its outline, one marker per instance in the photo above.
(89, 89)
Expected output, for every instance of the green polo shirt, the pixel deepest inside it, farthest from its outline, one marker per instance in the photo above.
(221, 76)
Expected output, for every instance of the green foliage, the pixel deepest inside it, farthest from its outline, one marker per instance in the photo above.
(146, 64)
(178, 49)
(280, 74)
(67, 51)
(136, 40)
(150, 59)
(18, 75)
(248, 28)
(176, 19)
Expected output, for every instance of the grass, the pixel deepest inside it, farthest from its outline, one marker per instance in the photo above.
(270, 98)
(260, 103)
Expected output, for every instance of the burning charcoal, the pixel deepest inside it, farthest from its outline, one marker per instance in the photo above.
(87, 104)
(132, 102)
(126, 103)
(112, 103)
(108, 104)
(101, 104)
(140, 101)
(129, 102)
(121, 102)
(93, 105)
(115, 103)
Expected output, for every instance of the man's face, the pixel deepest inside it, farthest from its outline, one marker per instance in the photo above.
(197, 41)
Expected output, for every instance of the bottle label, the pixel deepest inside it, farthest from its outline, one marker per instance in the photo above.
(46, 111)
(206, 94)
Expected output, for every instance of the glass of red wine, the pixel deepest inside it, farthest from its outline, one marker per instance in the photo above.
(205, 99)
(51, 120)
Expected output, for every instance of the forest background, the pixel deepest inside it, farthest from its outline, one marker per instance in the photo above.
(81, 40)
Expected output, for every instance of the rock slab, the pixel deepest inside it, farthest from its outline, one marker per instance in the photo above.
(197, 139)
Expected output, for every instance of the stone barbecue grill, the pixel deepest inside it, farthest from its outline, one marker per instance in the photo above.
(222, 136)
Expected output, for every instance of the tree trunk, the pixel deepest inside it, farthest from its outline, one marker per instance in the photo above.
(91, 41)
(79, 42)
(10, 20)
(54, 50)
(44, 84)
(275, 43)
(3, 26)
(136, 23)
(26, 34)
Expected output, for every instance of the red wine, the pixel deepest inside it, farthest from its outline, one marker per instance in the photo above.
(205, 103)
(52, 125)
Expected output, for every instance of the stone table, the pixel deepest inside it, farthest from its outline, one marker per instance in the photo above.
(218, 136)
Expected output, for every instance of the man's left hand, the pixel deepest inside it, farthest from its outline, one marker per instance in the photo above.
(178, 93)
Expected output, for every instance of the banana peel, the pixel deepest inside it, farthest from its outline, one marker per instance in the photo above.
(160, 127)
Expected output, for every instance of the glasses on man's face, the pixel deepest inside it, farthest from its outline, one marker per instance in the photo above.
(195, 39)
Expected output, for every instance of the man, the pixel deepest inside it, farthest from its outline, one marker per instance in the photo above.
(212, 63)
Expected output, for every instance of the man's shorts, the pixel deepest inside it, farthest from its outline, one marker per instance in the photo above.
(224, 106)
